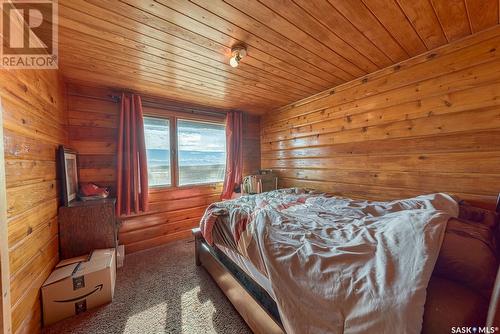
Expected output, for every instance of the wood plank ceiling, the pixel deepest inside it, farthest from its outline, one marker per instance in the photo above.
(180, 49)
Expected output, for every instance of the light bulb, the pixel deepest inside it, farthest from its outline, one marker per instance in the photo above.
(233, 61)
(237, 53)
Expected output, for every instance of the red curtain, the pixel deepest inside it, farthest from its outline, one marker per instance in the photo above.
(234, 156)
(132, 171)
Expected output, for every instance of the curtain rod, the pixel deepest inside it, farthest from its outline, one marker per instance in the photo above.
(179, 108)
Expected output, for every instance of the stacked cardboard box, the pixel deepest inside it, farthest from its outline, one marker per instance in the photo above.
(79, 284)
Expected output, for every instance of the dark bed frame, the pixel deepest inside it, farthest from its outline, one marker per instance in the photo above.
(256, 306)
(253, 303)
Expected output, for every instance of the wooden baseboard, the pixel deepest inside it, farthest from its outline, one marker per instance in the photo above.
(157, 241)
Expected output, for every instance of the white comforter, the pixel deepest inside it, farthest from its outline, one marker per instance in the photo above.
(343, 266)
(337, 265)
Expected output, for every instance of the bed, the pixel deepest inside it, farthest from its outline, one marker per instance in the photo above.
(288, 288)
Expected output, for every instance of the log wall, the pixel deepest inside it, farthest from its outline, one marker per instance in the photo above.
(34, 125)
(428, 124)
(93, 122)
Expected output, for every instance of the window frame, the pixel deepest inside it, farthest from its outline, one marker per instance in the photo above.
(176, 153)
(172, 118)
(164, 186)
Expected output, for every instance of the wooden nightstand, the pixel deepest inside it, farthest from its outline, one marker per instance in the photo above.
(87, 225)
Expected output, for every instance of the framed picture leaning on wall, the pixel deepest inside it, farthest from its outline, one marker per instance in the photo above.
(69, 174)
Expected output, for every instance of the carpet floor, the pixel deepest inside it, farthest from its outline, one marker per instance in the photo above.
(160, 291)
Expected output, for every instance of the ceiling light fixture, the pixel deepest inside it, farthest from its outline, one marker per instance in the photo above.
(237, 53)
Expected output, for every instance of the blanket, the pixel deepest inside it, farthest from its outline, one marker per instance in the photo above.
(338, 265)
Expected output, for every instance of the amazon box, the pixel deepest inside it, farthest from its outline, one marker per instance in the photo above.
(79, 284)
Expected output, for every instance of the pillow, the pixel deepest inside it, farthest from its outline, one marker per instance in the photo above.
(450, 304)
(478, 215)
(468, 253)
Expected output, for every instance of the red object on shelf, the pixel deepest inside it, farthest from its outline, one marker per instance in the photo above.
(90, 189)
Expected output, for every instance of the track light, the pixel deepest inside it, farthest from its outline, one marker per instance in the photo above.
(237, 53)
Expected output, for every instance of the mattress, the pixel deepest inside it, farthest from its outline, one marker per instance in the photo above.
(248, 268)
(353, 239)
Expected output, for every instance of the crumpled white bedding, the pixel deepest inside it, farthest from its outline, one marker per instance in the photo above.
(344, 266)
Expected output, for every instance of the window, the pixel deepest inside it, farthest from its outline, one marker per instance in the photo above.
(157, 138)
(202, 152)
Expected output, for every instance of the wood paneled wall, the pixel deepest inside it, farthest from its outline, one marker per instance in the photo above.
(93, 121)
(428, 124)
(34, 125)
(251, 144)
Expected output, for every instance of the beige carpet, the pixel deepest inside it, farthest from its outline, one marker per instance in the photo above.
(160, 291)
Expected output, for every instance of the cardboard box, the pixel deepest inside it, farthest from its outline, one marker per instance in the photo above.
(79, 284)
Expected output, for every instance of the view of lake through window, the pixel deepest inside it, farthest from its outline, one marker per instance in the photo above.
(157, 137)
(201, 148)
(202, 152)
